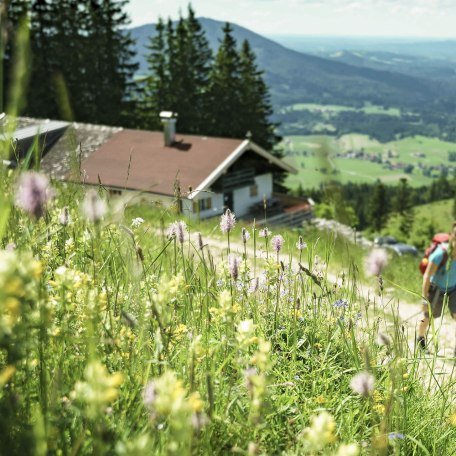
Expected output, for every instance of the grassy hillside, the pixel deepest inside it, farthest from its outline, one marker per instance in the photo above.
(118, 338)
(428, 219)
(303, 153)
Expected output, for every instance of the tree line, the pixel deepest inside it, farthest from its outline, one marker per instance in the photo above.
(370, 206)
(82, 67)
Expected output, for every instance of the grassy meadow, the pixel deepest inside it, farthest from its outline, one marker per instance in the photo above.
(122, 332)
(302, 152)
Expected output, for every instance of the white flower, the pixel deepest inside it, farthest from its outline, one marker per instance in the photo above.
(363, 383)
(138, 221)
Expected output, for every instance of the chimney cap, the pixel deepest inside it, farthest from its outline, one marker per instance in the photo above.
(167, 115)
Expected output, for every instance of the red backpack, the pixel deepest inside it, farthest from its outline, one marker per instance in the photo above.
(436, 241)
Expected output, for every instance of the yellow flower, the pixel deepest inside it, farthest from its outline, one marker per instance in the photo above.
(195, 403)
(452, 419)
(405, 376)
(320, 400)
(379, 408)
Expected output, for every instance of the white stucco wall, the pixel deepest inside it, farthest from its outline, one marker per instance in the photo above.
(217, 204)
(242, 199)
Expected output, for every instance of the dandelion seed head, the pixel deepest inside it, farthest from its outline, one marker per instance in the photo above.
(93, 207)
(363, 384)
(227, 221)
(376, 262)
(33, 192)
(277, 242)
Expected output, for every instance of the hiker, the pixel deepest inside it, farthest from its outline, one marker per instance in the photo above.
(439, 281)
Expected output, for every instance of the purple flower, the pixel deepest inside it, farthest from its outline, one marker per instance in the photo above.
(341, 303)
(233, 264)
(277, 242)
(245, 235)
(93, 207)
(227, 221)
(33, 193)
(396, 435)
(301, 245)
(376, 262)
(264, 232)
(363, 384)
(150, 396)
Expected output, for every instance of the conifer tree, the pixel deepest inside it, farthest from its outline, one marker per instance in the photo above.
(378, 207)
(402, 200)
(256, 106)
(225, 90)
(110, 70)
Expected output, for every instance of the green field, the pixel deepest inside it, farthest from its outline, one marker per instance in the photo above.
(329, 110)
(304, 153)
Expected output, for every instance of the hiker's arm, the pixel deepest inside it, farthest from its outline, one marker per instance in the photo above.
(430, 271)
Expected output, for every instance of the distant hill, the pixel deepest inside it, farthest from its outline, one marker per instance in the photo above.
(418, 47)
(297, 77)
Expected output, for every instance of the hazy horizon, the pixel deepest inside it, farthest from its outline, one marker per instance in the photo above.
(430, 19)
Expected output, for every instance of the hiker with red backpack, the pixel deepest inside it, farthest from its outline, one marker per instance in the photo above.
(439, 280)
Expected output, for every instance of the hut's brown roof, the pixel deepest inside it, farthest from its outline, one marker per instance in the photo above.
(139, 160)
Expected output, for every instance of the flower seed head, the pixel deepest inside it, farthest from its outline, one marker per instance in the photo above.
(376, 262)
(363, 384)
(233, 264)
(93, 207)
(301, 245)
(227, 221)
(64, 217)
(277, 242)
(33, 192)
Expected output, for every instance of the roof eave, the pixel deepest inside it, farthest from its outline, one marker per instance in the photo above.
(245, 145)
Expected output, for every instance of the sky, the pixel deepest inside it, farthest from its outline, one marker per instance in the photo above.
(414, 18)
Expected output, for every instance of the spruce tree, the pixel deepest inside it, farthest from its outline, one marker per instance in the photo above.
(256, 106)
(225, 90)
(110, 71)
(199, 61)
(378, 208)
(154, 96)
(402, 200)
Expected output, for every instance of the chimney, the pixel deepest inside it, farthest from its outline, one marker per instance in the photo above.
(168, 119)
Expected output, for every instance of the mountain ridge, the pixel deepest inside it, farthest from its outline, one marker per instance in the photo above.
(294, 76)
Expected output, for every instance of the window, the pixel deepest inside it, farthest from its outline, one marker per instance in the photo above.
(253, 190)
(114, 192)
(203, 204)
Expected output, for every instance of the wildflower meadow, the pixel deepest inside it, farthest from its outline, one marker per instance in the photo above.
(120, 335)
